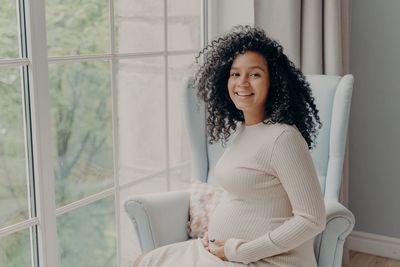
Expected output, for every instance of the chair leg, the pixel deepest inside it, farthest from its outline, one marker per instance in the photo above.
(346, 254)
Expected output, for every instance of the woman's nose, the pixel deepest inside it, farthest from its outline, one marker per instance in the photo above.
(243, 81)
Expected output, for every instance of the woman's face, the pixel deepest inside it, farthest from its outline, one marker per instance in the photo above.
(248, 84)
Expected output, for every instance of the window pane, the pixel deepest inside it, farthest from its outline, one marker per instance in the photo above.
(178, 71)
(15, 250)
(130, 247)
(13, 180)
(77, 27)
(141, 117)
(183, 24)
(9, 45)
(82, 129)
(86, 236)
(180, 178)
(139, 25)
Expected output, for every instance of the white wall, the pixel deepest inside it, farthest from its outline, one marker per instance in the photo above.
(375, 117)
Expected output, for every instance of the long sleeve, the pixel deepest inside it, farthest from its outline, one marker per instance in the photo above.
(291, 162)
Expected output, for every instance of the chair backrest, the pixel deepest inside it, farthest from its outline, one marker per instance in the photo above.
(332, 96)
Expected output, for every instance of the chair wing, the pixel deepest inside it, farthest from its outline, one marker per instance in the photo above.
(332, 96)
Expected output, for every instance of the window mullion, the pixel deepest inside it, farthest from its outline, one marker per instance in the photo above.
(42, 141)
(205, 21)
(28, 130)
(114, 97)
(167, 153)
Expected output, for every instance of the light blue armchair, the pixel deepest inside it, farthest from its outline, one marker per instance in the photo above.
(161, 218)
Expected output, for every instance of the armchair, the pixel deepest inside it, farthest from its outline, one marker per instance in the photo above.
(161, 218)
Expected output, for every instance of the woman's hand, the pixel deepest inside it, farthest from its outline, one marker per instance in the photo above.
(217, 249)
(205, 240)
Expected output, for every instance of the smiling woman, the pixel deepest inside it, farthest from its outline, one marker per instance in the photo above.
(273, 206)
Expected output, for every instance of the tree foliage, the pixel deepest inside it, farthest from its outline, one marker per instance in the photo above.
(9, 46)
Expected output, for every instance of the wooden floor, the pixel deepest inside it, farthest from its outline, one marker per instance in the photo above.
(358, 259)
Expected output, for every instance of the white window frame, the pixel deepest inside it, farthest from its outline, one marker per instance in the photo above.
(38, 120)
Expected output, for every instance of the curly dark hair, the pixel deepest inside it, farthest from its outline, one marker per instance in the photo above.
(289, 98)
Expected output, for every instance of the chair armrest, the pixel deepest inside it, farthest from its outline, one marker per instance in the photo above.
(160, 218)
(334, 209)
(339, 223)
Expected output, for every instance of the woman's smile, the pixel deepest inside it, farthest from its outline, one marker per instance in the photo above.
(244, 95)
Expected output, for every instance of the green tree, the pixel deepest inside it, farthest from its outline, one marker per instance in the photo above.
(14, 250)
(9, 47)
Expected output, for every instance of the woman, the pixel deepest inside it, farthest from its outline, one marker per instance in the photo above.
(274, 206)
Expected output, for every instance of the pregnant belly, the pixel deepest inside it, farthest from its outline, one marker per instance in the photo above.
(236, 219)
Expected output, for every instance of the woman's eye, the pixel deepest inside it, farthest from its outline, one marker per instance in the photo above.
(234, 74)
(254, 75)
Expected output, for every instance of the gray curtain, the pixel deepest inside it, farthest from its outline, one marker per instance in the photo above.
(314, 33)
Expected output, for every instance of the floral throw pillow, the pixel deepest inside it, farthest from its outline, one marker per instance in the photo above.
(203, 200)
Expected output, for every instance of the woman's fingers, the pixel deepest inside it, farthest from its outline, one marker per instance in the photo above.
(219, 243)
(220, 253)
(205, 239)
(216, 247)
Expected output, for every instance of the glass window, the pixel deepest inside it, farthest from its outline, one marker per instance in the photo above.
(179, 69)
(9, 45)
(81, 108)
(13, 173)
(77, 27)
(139, 26)
(86, 236)
(15, 249)
(115, 84)
(183, 25)
(141, 116)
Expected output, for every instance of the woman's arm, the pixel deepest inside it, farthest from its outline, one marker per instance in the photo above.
(292, 164)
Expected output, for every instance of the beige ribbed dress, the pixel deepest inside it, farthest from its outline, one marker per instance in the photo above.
(272, 212)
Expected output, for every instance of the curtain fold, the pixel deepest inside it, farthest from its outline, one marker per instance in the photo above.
(312, 37)
(281, 19)
(314, 33)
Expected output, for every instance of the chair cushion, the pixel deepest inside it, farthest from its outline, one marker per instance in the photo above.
(203, 200)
